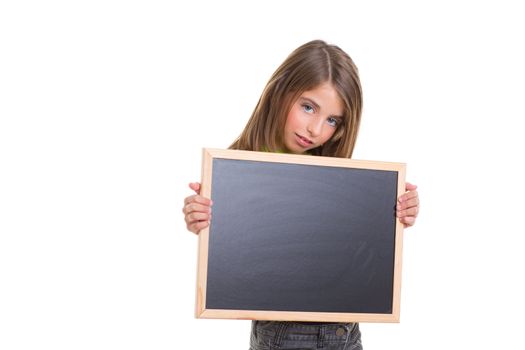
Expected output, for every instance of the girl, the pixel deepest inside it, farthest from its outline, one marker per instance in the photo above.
(311, 105)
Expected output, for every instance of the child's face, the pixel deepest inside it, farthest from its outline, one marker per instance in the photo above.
(313, 119)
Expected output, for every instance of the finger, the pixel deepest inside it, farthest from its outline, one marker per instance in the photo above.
(412, 202)
(409, 196)
(198, 199)
(188, 200)
(190, 222)
(197, 226)
(203, 200)
(408, 221)
(196, 207)
(195, 186)
(196, 216)
(414, 211)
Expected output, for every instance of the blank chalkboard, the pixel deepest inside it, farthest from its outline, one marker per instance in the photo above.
(300, 238)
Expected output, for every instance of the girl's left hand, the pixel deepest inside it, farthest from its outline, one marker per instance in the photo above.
(408, 205)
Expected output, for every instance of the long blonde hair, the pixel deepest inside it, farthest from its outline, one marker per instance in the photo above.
(308, 66)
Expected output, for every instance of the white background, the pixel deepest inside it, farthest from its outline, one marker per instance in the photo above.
(105, 106)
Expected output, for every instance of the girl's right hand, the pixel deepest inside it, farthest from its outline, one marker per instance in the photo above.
(197, 210)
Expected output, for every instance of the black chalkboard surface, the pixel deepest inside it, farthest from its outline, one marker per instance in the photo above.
(300, 238)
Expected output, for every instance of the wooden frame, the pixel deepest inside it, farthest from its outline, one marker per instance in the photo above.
(202, 311)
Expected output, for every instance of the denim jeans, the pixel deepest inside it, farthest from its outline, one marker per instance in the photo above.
(270, 335)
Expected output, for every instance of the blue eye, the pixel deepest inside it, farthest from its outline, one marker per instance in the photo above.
(307, 108)
(333, 121)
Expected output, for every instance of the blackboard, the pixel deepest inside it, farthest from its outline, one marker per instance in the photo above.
(300, 238)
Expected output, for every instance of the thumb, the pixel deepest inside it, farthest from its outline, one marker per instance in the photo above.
(410, 187)
(195, 186)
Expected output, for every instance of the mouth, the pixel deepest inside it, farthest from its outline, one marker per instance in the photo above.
(303, 141)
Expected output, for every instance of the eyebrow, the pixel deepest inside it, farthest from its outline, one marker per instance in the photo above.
(311, 101)
(319, 107)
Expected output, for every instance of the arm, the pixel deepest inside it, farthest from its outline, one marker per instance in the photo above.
(196, 210)
(408, 205)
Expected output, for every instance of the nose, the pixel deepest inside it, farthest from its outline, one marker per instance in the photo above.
(315, 126)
